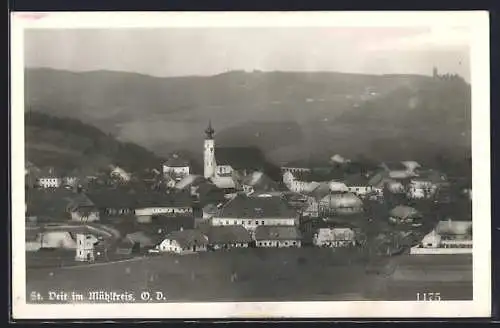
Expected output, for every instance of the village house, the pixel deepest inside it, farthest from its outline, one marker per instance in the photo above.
(382, 180)
(82, 209)
(258, 182)
(120, 174)
(184, 242)
(358, 185)
(277, 236)
(296, 167)
(225, 237)
(113, 202)
(48, 204)
(252, 212)
(176, 167)
(397, 170)
(163, 224)
(334, 237)
(47, 178)
(448, 237)
(405, 215)
(149, 203)
(426, 184)
(340, 204)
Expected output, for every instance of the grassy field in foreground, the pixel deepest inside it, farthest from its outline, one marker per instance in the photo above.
(255, 275)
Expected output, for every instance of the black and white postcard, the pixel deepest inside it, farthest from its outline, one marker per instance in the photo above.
(250, 165)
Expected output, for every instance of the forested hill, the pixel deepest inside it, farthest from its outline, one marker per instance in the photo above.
(67, 144)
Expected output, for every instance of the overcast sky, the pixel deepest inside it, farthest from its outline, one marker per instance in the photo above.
(199, 51)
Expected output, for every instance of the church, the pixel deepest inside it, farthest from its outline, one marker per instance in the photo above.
(225, 166)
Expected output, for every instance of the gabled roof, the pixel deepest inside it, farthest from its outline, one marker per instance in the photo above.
(277, 233)
(256, 207)
(131, 198)
(48, 203)
(176, 161)
(404, 212)
(240, 157)
(431, 176)
(188, 238)
(228, 234)
(356, 180)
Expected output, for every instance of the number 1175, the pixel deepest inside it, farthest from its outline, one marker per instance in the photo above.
(428, 296)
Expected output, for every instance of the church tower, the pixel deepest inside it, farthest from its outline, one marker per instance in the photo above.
(209, 152)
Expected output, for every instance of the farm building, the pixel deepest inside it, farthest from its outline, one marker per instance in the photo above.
(277, 236)
(404, 215)
(254, 211)
(224, 237)
(184, 242)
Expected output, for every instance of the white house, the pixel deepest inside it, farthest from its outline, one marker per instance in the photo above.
(296, 167)
(254, 211)
(449, 237)
(340, 203)
(359, 185)
(151, 204)
(295, 185)
(405, 215)
(334, 237)
(82, 209)
(425, 185)
(176, 167)
(184, 242)
(277, 236)
(47, 178)
(119, 173)
(397, 170)
(85, 247)
(49, 182)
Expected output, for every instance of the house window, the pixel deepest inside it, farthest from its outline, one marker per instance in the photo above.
(294, 243)
(256, 222)
(235, 222)
(227, 222)
(286, 243)
(262, 222)
(249, 222)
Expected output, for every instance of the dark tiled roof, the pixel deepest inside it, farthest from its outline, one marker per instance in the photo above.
(240, 157)
(431, 176)
(171, 224)
(256, 207)
(188, 238)
(49, 203)
(355, 180)
(228, 234)
(130, 198)
(319, 175)
(176, 161)
(277, 233)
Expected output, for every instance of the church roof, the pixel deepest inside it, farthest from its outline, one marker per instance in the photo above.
(240, 157)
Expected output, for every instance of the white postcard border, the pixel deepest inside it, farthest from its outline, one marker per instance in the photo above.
(478, 22)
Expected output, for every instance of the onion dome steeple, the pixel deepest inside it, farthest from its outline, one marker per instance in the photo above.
(209, 130)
